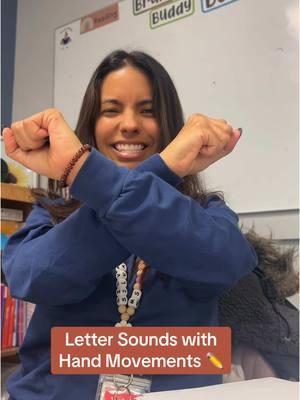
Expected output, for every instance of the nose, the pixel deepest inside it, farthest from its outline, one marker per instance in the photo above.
(129, 123)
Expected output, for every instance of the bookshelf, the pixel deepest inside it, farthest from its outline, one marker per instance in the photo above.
(11, 352)
(16, 198)
(10, 191)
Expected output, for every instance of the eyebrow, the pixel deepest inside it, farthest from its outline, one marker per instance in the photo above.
(117, 102)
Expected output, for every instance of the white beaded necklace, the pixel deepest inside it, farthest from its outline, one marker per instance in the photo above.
(127, 307)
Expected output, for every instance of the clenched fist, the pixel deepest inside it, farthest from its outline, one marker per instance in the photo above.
(43, 143)
(201, 142)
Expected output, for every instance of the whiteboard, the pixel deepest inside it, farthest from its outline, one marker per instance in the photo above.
(237, 61)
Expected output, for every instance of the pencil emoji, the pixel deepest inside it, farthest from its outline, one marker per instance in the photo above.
(214, 360)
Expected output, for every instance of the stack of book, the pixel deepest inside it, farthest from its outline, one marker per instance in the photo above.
(15, 313)
(13, 319)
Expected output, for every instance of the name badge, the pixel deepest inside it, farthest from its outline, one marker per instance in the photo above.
(121, 387)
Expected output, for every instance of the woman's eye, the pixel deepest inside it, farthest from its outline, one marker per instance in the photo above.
(109, 111)
(147, 111)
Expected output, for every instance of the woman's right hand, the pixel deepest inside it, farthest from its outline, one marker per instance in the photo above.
(201, 142)
(43, 143)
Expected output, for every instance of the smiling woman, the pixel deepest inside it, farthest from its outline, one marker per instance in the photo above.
(127, 131)
(128, 238)
(131, 100)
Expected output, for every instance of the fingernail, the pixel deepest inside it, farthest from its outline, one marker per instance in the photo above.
(241, 131)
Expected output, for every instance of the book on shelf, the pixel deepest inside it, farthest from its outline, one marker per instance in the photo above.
(10, 227)
(15, 313)
(15, 317)
(7, 229)
(11, 214)
(3, 308)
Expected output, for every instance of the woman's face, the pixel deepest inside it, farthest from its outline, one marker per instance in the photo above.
(126, 131)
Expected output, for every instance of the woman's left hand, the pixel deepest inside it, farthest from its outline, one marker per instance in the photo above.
(201, 142)
(43, 143)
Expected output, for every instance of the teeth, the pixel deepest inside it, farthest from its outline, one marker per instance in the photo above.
(129, 147)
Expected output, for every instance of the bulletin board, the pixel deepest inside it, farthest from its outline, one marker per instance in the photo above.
(236, 60)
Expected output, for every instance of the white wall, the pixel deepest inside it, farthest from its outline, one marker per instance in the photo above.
(34, 80)
(34, 60)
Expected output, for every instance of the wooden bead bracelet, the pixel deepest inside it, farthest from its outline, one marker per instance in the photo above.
(62, 183)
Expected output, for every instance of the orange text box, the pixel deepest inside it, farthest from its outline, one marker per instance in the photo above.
(141, 350)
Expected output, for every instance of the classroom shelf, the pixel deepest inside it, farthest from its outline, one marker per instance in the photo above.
(12, 351)
(19, 198)
(10, 191)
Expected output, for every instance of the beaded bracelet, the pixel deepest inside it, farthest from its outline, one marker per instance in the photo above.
(62, 183)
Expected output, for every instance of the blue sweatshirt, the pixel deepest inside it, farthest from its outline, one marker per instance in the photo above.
(67, 269)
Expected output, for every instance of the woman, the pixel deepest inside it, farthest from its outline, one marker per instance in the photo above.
(129, 202)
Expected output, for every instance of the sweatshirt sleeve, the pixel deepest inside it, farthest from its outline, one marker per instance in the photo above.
(169, 230)
(60, 264)
(63, 263)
